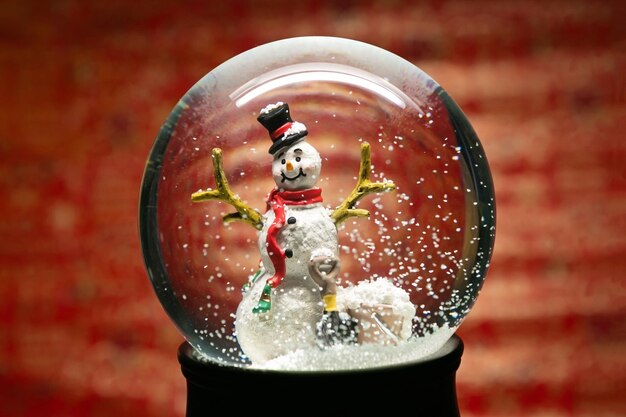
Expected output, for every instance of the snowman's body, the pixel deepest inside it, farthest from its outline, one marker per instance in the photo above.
(296, 303)
(307, 227)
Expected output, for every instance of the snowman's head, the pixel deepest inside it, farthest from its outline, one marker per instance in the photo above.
(296, 167)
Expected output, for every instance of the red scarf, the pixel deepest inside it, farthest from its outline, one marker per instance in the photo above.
(276, 201)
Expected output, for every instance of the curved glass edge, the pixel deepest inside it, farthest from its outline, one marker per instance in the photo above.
(476, 160)
(276, 54)
(148, 220)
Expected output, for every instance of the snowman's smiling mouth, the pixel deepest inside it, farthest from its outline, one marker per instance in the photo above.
(300, 174)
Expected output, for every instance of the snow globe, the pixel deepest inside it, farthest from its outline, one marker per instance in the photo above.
(316, 210)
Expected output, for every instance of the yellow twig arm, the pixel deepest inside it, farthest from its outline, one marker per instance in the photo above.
(223, 193)
(363, 187)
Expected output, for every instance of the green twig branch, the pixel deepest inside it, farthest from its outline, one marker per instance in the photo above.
(223, 193)
(363, 187)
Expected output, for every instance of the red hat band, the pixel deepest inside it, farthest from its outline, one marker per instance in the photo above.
(280, 131)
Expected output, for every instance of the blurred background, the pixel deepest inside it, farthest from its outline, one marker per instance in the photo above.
(85, 87)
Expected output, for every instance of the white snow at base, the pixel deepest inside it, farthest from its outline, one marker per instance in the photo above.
(379, 291)
(352, 357)
(271, 107)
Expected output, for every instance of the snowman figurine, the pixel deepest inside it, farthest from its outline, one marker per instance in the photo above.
(287, 304)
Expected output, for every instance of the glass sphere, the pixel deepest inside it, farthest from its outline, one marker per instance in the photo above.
(409, 253)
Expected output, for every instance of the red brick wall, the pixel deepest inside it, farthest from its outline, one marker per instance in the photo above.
(85, 86)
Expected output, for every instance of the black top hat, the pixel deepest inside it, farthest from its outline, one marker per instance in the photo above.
(276, 119)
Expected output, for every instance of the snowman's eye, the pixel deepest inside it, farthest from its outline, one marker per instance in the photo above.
(298, 159)
(282, 162)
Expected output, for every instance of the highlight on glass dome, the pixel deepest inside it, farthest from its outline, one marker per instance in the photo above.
(317, 203)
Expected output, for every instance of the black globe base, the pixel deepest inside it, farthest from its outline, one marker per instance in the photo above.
(426, 388)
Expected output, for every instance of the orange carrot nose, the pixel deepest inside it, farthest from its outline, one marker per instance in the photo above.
(289, 166)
